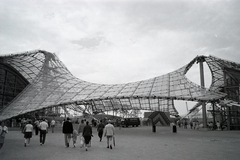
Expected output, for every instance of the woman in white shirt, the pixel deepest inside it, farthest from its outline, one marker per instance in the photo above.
(28, 129)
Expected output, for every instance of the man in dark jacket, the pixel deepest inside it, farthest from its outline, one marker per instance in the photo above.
(100, 129)
(67, 131)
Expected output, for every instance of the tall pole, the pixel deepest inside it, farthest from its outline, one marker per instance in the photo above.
(204, 113)
(187, 108)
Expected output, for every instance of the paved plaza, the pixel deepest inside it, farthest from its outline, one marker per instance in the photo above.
(138, 143)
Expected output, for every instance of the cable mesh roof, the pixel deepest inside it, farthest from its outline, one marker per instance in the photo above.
(51, 84)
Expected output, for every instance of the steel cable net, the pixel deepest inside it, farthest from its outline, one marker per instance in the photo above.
(51, 84)
(217, 67)
(221, 71)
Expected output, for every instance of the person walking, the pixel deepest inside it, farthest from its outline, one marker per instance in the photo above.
(3, 132)
(36, 126)
(63, 122)
(100, 129)
(185, 124)
(67, 131)
(23, 123)
(194, 124)
(28, 130)
(53, 122)
(197, 125)
(109, 132)
(74, 137)
(43, 126)
(80, 130)
(191, 124)
(87, 134)
(218, 125)
(121, 123)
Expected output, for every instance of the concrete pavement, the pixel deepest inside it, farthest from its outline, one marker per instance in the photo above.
(138, 143)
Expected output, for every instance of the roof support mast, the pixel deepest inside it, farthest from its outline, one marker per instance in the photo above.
(204, 113)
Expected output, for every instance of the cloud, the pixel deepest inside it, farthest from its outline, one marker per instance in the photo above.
(122, 41)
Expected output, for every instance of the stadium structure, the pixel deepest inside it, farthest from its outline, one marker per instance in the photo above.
(37, 81)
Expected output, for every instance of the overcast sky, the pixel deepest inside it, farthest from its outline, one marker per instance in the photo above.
(121, 41)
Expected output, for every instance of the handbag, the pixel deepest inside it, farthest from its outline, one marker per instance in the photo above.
(114, 141)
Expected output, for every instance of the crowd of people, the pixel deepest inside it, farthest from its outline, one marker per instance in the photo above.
(193, 124)
(83, 132)
(196, 125)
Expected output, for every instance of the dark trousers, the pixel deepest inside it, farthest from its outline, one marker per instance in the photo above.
(43, 136)
(53, 126)
(87, 139)
(36, 130)
(100, 134)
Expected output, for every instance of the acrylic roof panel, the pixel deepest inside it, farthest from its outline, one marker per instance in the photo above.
(28, 64)
(51, 84)
(217, 66)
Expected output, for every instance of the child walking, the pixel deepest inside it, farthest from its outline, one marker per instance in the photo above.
(74, 137)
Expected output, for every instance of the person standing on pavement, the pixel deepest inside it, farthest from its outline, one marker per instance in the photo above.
(87, 134)
(3, 132)
(43, 126)
(53, 122)
(109, 132)
(28, 130)
(100, 129)
(67, 131)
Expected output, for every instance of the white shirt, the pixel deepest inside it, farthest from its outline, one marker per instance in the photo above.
(43, 125)
(52, 122)
(28, 128)
(109, 130)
